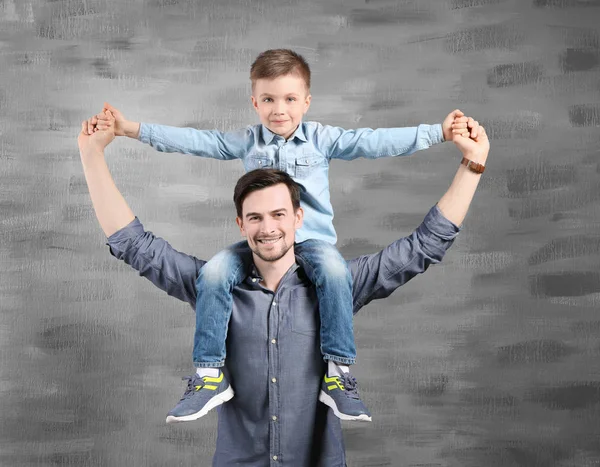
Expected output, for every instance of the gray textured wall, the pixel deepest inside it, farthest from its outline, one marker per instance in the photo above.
(488, 360)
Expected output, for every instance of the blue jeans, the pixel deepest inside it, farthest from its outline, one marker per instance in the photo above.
(325, 268)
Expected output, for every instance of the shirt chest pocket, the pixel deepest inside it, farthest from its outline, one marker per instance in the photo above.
(305, 165)
(254, 161)
(304, 316)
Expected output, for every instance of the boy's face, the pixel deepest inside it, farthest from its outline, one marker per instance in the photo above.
(269, 222)
(281, 103)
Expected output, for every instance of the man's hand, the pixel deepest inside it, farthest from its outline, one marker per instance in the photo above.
(122, 126)
(100, 137)
(475, 149)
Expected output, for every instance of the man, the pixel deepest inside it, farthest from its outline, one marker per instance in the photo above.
(274, 362)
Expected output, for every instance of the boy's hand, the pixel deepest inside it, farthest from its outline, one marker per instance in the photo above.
(122, 126)
(121, 123)
(475, 149)
(451, 118)
(100, 137)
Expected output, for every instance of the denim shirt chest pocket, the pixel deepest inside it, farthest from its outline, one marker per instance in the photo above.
(303, 317)
(306, 163)
(258, 161)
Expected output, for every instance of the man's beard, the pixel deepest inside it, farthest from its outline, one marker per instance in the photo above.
(272, 255)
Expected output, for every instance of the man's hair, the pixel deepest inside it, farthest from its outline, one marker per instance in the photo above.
(274, 63)
(264, 178)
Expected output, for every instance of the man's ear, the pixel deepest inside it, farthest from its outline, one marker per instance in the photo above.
(307, 103)
(299, 218)
(240, 224)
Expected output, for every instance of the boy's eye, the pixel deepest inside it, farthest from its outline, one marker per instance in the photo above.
(267, 99)
(279, 214)
(292, 99)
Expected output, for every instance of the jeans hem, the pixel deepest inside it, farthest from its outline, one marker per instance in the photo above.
(336, 359)
(209, 364)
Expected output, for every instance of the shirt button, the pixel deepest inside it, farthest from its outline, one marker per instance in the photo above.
(254, 279)
(274, 418)
(274, 380)
(274, 303)
(273, 341)
(274, 458)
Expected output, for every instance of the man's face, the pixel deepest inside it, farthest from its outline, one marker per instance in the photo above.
(269, 222)
(281, 103)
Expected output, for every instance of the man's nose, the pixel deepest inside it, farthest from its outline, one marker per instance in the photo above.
(267, 226)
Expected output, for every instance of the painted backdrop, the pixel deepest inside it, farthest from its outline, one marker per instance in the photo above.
(490, 359)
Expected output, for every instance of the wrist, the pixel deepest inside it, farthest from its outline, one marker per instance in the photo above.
(91, 153)
(474, 164)
(131, 129)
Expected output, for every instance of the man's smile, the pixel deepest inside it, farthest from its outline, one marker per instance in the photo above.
(269, 241)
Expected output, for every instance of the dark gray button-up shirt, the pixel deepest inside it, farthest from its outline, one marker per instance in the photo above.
(273, 352)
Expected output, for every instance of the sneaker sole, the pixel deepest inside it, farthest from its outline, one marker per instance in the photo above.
(211, 404)
(328, 401)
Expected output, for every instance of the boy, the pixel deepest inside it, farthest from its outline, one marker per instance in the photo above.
(281, 97)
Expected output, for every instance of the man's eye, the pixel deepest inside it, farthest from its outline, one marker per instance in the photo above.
(279, 214)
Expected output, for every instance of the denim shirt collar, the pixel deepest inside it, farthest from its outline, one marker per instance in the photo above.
(268, 136)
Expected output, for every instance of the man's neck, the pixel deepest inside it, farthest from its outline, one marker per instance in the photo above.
(273, 271)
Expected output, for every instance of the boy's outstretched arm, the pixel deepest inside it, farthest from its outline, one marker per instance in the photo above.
(390, 142)
(203, 143)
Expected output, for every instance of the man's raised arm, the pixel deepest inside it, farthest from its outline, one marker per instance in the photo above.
(112, 210)
(378, 275)
(153, 257)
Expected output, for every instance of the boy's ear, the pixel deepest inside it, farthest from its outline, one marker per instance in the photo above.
(240, 224)
(254, 103)
(307, 103)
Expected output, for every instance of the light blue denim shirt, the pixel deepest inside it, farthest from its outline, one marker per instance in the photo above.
(305, 156)
(273, 346)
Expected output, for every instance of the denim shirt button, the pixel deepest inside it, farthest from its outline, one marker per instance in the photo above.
(274, 380)
(274, 458)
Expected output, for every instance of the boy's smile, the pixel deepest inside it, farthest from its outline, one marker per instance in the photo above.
(281, 103)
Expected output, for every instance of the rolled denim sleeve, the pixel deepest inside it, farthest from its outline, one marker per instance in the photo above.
(156, 260)
(381, 142)
(203, 143)
(378, 275)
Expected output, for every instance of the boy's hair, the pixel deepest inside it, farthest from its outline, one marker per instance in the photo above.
(274, 63)
(263, 178)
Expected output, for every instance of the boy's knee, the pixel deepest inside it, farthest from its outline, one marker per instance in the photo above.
(334, 265)
(219, 268)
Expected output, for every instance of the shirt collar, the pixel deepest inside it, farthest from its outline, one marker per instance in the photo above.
(268, 135)
(255, 276)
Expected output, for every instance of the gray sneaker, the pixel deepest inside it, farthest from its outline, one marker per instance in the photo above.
(202, 395)
(341, 394)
